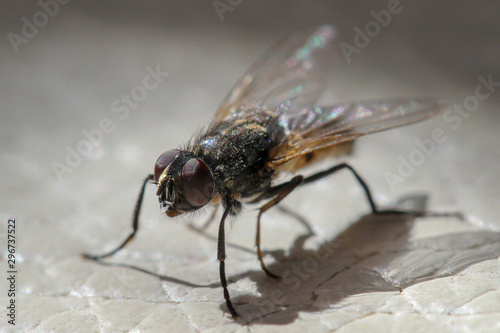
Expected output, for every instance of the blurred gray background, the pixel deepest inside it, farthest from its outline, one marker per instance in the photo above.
(65, 77)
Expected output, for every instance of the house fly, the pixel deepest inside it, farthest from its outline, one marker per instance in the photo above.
(267, 125)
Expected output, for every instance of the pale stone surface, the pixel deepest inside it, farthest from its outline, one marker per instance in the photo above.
(357, 272)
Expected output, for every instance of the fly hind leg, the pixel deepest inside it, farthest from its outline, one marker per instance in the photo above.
(369, 197)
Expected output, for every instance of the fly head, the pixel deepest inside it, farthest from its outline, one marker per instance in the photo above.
(185, 182)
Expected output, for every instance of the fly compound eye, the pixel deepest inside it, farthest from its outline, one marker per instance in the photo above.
(164, 161)
(197, 182)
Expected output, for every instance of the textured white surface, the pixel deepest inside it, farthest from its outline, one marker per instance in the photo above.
(356, 273)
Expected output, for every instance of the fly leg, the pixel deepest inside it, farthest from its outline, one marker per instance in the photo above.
(135, 225)
(369, 196)
(285, 189)
(298, 217)
(221, 256)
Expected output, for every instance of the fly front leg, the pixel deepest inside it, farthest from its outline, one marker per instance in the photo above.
(284, 190)
(221, 256)
(135, 225)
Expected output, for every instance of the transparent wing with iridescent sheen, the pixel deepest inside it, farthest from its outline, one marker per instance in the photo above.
(293, 73)
(322, 127)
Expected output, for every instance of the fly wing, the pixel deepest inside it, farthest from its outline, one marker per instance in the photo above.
(292, 73)
(322, 127)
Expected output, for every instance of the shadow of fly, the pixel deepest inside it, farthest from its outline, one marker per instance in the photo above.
(267, 125)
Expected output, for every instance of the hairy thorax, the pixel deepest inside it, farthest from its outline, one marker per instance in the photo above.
(237, 151)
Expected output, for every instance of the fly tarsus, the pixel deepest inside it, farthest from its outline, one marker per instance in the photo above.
(375, 210)
(135, 225)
